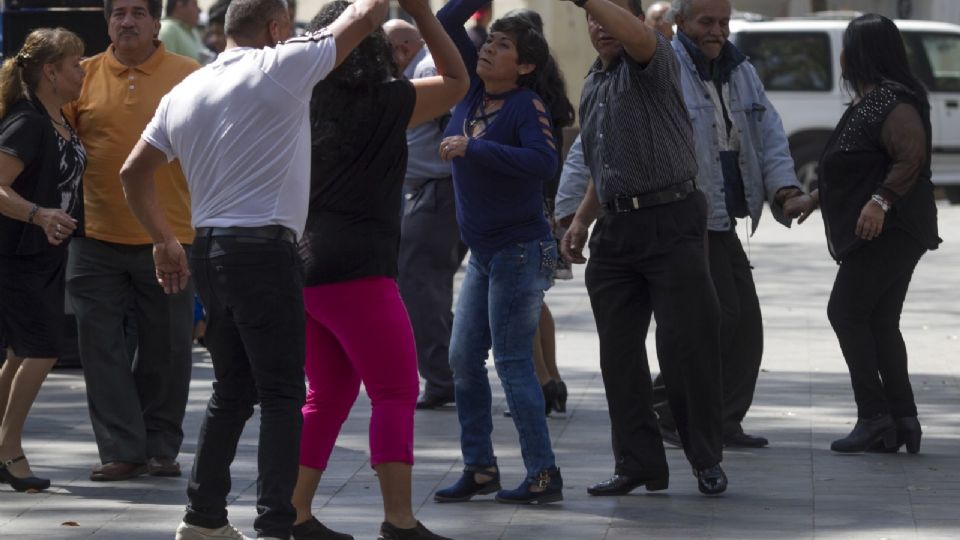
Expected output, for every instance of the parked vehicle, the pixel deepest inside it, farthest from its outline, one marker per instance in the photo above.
(798, 60)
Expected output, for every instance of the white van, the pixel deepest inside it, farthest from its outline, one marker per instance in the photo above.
(798, 60)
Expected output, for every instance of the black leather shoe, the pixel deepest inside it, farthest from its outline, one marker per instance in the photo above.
(392, 532)
(427, 403)
(712, 480)
(622, 484)
(744, 440)
(550, 392)
(867, 433)
(467, 486)
(314, 530)
(560, 403)
(30, 483)
(549, 488)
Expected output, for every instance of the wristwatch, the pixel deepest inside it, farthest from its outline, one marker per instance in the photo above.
(881, 202)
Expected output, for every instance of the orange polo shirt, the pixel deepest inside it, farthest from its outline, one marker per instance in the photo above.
(115, 105)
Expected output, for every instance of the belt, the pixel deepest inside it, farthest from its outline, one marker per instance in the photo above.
(646, 200)
(267, 232)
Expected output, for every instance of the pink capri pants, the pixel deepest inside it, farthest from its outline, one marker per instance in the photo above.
(359, 331)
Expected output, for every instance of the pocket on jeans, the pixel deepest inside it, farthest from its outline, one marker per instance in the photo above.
(548, 259)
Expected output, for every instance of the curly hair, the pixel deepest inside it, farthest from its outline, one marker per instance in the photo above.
(546, 79)
(342, 104)
(21, 73)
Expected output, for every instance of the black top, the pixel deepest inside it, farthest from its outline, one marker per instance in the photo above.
(881, 146)
(635, 127)
(51, 177)
(353, 228)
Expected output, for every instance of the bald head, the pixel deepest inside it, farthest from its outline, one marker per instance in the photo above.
(404, 39)
(658, 18)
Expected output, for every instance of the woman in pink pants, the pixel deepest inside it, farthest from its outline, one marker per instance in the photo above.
(357, 327)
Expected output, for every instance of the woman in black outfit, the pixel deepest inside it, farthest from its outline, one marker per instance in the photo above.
(41, 205)
(880, 218)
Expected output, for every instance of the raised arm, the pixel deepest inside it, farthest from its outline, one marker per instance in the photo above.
(639, 40)
(355, 24)
(436, 95)
(452, 17)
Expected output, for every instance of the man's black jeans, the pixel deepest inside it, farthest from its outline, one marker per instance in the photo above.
(252, 289)
(864, 310)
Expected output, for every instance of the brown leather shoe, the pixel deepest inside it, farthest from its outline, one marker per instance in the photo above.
(163, 467)
(117, 470)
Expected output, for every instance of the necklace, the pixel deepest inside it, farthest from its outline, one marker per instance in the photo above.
(62, 123)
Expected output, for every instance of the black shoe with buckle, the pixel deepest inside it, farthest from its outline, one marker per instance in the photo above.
(467, 486)
(30, 483)
(547, 487)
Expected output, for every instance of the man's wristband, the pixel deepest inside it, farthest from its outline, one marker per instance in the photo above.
(33, 213)
(881, 202)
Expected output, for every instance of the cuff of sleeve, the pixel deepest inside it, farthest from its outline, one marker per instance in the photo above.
(889, 195)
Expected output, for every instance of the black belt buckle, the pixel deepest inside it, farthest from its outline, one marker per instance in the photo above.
(636, 202)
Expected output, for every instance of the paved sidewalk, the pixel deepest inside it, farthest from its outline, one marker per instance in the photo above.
(794, 489)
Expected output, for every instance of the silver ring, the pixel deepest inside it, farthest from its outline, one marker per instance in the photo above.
(58, 228)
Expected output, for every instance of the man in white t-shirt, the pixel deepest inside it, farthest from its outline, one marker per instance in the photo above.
(239, 127)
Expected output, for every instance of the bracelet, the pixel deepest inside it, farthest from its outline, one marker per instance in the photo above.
(881, 202)
(33, 213)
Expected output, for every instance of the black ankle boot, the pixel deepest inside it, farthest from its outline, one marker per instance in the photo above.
(908, 433)
(866, 434)
(551, 489)
(467, 486)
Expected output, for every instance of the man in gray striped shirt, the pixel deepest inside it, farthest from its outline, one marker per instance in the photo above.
(647, 252)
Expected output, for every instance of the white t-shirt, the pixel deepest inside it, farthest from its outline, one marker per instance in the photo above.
(240, 127)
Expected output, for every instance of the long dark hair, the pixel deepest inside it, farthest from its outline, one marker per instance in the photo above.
(874, 53)
(546, 79)
(342, 104)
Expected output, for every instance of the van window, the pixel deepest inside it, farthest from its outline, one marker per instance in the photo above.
(943, 53)
(790, 61)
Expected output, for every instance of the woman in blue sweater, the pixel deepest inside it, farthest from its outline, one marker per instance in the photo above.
(502, 148)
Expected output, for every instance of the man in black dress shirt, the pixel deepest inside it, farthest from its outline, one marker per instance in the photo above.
(647, 252)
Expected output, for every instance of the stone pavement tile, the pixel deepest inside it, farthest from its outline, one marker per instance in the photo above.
(553, 532)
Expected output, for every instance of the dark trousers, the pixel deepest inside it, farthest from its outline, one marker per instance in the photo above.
(136, 402)
(430, 254)
(864, 310)
(652, 262)
(741, 332)
(252, 289)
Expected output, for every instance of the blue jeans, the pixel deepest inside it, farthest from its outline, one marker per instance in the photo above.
(499, 307)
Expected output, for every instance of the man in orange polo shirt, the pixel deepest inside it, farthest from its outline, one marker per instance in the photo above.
(136, 410)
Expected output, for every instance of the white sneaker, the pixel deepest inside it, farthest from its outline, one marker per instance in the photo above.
(187, 531)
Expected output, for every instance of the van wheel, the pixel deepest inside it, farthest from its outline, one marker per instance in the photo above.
(953, 194)
(807, 161)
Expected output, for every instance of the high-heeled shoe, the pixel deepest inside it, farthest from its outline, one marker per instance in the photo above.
(30, 483)
(908, 433)
(550, 489)
(550, 392)
(560, 403)
(866, 433)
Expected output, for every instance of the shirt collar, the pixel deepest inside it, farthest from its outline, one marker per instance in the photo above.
(718, 70)
(598, 64)
(147, 67)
